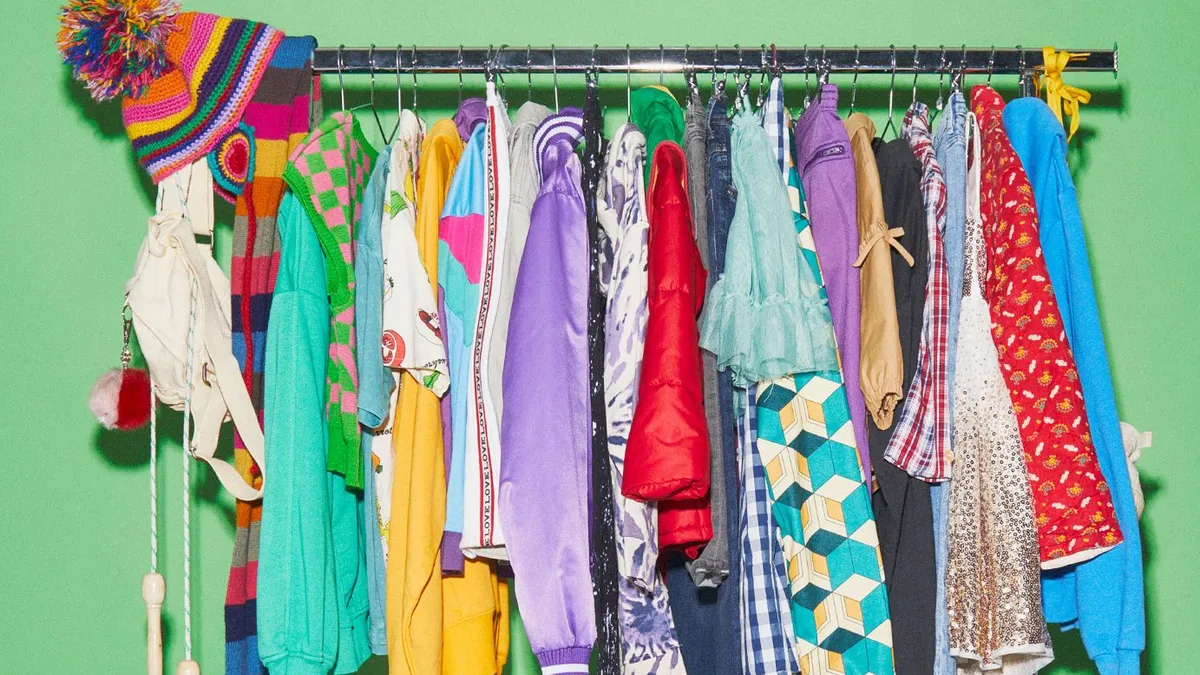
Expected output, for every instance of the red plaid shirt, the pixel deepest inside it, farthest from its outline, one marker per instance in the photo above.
(921, 442)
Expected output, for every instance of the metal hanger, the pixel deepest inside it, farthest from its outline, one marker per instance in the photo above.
(991, 64)
(592, 77)
(714, 74)
(807, 90)
(460, 73)
(957, 81)
(822, 74)
(628, 86)
(916, 72)
(713, 83)
(941, 102)
(493, 73)
(762, 78)
(399, 102)
(341, 82)
(662, 64)
(1023, 79)
(689, 75)
(554, 73)
(891, 101)
(854, 82)
(528, 73)
(741, 83)
(414, 79)
(371, 103)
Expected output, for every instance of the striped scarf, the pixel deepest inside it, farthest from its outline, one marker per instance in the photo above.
(279, 114)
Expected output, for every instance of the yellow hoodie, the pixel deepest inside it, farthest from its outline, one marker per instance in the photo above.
(452, 625)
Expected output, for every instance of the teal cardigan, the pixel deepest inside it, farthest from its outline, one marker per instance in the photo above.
(312, 580)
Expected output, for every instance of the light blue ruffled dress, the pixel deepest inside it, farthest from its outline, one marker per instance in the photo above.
(765, 317)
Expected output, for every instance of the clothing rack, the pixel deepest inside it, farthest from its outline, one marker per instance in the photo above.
(694, 59)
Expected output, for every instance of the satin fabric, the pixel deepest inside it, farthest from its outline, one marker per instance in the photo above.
(668, 455)
(546, 429)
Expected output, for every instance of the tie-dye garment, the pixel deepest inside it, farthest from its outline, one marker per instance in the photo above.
(647, 631)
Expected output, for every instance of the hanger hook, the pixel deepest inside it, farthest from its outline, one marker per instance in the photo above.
(528, 72)
(594, 74)
(628, 85)
(689, 73)
(941, 77)
(341, 82)
(991, 63)
(892, 90)
(663, 64)
(498, 71)
(460, 73)
(823, 70)
(487, 65)
(1023, 77)
(957, 82)
(775, 60)
(554, 73)
(399, 91)
(714, 67)
(371, 71)
(414, 77)
(807, 91)
(916, 70)
(854, 82)
(763, 66)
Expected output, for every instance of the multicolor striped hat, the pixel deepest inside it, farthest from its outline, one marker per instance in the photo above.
(217, 64)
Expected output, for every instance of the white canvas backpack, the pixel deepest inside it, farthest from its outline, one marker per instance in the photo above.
(179, 299)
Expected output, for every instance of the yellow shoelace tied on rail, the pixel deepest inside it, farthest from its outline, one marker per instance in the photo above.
(1061, 97)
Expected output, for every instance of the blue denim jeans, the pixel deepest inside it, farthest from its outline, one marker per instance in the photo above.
(706, 619)
(950, 144)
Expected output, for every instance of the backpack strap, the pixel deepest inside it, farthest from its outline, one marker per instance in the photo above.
(218, 374)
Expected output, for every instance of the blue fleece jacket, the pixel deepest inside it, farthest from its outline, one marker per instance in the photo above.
(1102, 597)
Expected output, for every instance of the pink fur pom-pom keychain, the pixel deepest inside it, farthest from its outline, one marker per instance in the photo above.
(120, 399)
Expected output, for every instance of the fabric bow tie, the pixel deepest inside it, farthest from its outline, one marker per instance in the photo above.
(1061, 97)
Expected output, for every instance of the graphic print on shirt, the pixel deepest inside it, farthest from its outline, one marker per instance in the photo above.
(648, 636)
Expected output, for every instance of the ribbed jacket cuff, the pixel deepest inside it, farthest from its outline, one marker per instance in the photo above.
(566, 661)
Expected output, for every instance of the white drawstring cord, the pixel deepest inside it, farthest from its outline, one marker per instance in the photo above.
(187, 476)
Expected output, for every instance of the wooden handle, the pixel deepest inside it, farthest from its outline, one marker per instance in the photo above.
(188, 668)
(154, 590)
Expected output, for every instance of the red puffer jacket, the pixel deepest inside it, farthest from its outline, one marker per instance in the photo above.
(666, 459)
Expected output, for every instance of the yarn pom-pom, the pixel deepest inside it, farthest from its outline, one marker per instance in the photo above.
(116, 47)
(120, 399)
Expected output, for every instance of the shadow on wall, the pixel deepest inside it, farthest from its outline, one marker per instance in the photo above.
(105, 119)
(130, 450)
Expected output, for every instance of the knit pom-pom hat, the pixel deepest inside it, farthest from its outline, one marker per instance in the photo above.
(217, 64)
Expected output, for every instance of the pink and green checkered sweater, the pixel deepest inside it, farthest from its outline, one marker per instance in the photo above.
(328, 172)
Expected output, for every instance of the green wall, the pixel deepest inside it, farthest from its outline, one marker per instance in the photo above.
(73, 534)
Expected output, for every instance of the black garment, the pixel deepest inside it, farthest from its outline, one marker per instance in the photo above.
(902, 504)
(604, 534)
(706, 619)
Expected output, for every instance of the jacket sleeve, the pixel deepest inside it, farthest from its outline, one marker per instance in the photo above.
(297, 598)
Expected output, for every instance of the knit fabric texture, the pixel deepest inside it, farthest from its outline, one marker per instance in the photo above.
(329, 171)
(279, 112)
(218, 64)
